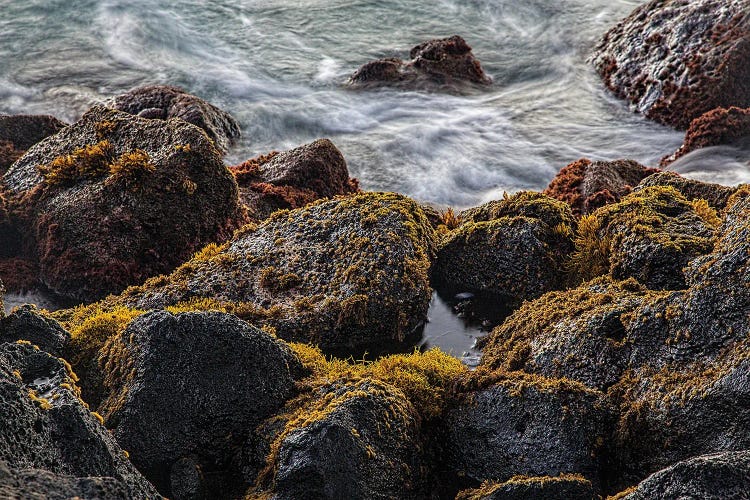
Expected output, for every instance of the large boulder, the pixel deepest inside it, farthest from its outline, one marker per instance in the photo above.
(562, 487)
(350, 275)
(114, 199)
(514, 249)
(184, 392)
(677, 59)
(46, 426)
(163, 102)
(293, 178)
(19, 132)
(587, 185)
(443, 62)
(711, 477)
(714, 128)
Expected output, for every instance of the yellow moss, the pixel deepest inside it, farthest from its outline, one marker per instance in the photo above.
(88, 162)
(487, 488)
(98, 417)
(130, 168)
(43, 403)
(450, 220)
(17, 374)
(623, 494)
(127, 455)
(706, 212)
(185, 148)
(591, 256)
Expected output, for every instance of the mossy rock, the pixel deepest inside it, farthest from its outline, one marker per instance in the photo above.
(563, 487)
(30, 324)
(115, 199)
(715, 195)
(515, 249)
(19, 132)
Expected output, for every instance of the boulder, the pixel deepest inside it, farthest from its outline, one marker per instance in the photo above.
(516, 250)
(293, 178)
(114, 199)
(26, 323)
(46, 426)
(587, 185)
(38, 484)
(677, 59)
(711, 477)
(563, 487)
(714, 128)
(715, 195)
(184, 392)
(19, 132)
(444, 62)
(350, 275)
(519, 424)
(163, 102)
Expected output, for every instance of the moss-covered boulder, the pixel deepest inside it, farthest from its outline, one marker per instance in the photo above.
(186, 391)
(293, 179)
(46, 426)
(715, 195)
(519, 424)
(714, 476)
(350, 275)
(515, 249)
(164, 102)
(29, 324)
(587, 185)
(650, 235)
(562, 487)
(675, 60)
(114, 199)
(19, 132)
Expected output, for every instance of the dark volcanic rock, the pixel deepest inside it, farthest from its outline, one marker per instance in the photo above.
(514, 248)
(19, 132)
(349, 274)
(184, 392)
(715, 194)
(163, 102)
(114, 199)
(710, 477)
(563, 487)
(716, 127)
(45, 426)
(526, 425)
(677, 59)
(25, 323)
(293, 178)
(437, 62)
(364, 443)
(587, 185)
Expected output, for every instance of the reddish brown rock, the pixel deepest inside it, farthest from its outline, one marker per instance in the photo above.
(19, 132)
(677, 59)
(587, 185)
(718, 126)
(442, 62)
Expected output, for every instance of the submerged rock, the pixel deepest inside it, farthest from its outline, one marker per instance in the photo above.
(114, 199)
(563, 487)
(714, 128)
(587, 185)
(19, 132)
(443, 62)
(163, 102)
(293, 178)
(677, 59)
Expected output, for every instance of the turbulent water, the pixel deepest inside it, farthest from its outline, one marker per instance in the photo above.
(278, 66)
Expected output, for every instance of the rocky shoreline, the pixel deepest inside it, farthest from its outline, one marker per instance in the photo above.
(248, 331)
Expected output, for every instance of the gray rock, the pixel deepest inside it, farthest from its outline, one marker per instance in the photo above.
(26, 323)
(564, 487)
(36, 484)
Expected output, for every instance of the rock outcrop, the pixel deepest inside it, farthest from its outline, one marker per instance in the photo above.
(676, 59)
(19, 132)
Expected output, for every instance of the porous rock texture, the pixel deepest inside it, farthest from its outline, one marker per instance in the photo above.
(19, 132)
(677, 59)
(27, 323)
(562, 487)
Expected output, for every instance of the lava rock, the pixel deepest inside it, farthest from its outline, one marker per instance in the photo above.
(713, 128)
(518, 424)
(350, 275)
(114, 199)
(293, 178)
(711, 477)
(516, 256)
(715, 195)
(26, 323)
(677, 59)
(45, 426)
(563, 487)
(443, 62)
(163, 102)
(19, 132)
(192, 387)
(587, 185)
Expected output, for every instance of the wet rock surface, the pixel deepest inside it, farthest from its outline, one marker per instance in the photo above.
(675, 60)
(19, 132)
(432, 64)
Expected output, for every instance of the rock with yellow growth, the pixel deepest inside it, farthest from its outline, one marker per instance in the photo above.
(562, 487)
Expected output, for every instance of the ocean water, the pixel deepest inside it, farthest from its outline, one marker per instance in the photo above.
(279, 67)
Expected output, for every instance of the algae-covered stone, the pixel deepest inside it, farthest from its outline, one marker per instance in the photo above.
(192, 386)
(45, 426)
(349, 274)
(715, 195)
(563, 487)
(515, 248)
(114, 199)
